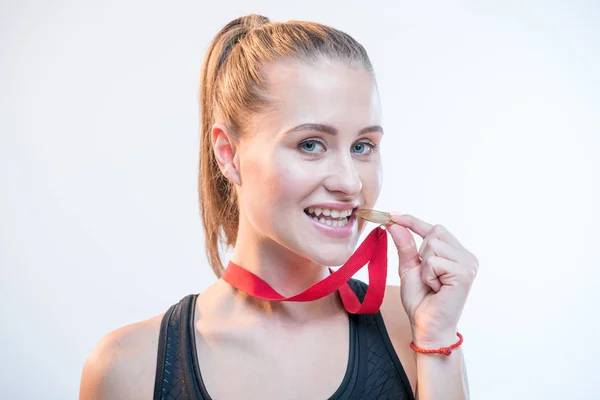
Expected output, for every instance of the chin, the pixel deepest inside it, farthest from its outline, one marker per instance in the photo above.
(333, 257)
(316, 246)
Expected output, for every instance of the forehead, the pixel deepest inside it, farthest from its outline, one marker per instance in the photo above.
(324, 91)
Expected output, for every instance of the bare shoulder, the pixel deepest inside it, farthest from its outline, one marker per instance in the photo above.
(398, 327)
(122, 365)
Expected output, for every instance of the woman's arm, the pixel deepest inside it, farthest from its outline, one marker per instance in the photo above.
(105, 371)
(432, 376)
(123, 364)
(440, 376)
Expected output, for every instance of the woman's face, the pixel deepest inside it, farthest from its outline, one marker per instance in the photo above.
(308, 164)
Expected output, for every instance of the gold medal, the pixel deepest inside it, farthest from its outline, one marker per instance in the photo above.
(377, 217)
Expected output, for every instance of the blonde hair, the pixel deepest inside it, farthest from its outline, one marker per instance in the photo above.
(234, 88)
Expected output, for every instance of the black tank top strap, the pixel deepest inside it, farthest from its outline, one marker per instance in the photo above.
(381, 371)
(175, 361)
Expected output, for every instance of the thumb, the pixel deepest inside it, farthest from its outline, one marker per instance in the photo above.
(408, 255)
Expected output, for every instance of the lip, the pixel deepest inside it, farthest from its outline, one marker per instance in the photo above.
(335, 206)
(335, 231)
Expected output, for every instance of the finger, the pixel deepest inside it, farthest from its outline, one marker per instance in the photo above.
(424, 229)
(408, 256)
(440, 232)
(437, 272)
(436, 247)
(421, 228)
(426, 252)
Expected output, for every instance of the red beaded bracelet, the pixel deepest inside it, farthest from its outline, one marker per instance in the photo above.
(442, 350)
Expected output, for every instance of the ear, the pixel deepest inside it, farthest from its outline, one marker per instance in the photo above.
(226, 152)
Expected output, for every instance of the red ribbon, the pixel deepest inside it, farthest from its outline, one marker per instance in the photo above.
(373, 250)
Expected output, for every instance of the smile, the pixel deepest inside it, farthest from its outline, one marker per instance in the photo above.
(330, 217)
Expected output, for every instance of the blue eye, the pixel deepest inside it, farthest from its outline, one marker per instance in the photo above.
(361, 146)
(309, 146)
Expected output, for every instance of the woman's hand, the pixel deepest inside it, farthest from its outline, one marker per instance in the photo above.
(435, 281)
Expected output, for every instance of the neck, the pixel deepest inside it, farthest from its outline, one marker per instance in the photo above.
(286, 272)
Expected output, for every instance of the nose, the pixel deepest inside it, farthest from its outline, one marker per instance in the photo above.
(342, 175)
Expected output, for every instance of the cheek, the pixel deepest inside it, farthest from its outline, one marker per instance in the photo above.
(372, 180)
(274, 184)
(258, 186)
(294, 181)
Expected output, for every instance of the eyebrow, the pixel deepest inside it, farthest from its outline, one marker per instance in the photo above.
(330, 129)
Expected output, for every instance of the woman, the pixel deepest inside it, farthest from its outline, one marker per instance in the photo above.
(290, 149)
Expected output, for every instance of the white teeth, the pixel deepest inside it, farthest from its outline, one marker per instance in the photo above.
(335, 218)
(316, 211)
(331, 222)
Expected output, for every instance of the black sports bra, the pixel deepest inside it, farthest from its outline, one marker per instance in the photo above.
(374, 370)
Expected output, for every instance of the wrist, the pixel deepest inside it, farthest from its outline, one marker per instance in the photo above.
(445, 350)
(434, 340)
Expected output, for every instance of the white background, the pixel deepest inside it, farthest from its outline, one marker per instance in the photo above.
(492, 129)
